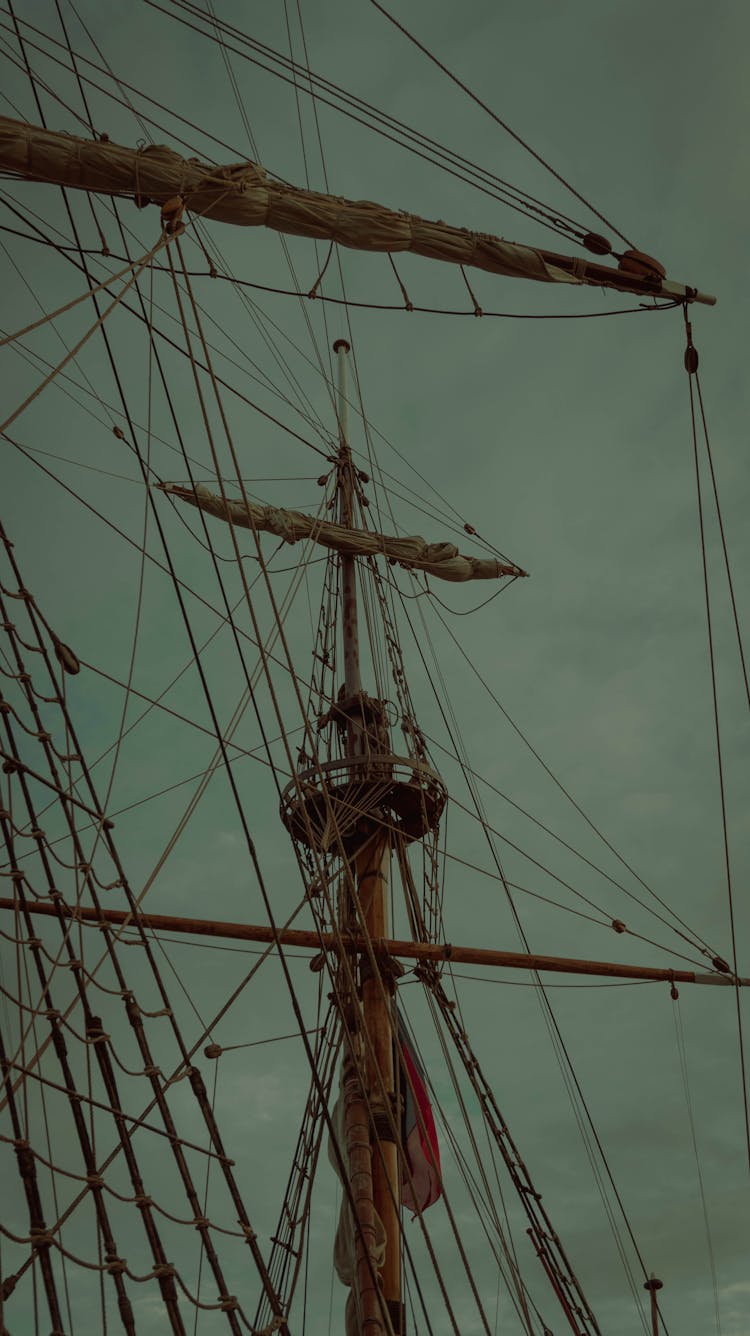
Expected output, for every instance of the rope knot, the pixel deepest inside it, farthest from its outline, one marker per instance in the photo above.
(40, 1236)
(164, 1271)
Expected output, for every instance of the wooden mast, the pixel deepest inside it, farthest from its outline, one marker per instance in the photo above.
(372, 867)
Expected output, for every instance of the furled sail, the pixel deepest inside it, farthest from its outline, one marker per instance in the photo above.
(441, 559)
(421, 1183)
(243, 194)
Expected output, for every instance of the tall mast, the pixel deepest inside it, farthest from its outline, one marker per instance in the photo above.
(371, 870)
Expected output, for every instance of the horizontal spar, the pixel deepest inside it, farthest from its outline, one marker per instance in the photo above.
(437, 953)
(440, 559)
(243, 194)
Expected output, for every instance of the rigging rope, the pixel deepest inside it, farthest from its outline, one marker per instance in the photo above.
(332, 816)
(691, 367)
(231, 1319)
(329, 94)
(566, 793)
(173, 344)
(643, 308)
(497, 119)
(137, 269)
(569, 1076)
(682, 1055)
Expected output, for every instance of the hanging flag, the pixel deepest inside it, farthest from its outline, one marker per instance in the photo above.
(419, 1138)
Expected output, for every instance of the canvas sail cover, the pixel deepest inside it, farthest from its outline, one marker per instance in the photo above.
(345, 1248)
(441, 559)
(243, 194)
(420, 1175)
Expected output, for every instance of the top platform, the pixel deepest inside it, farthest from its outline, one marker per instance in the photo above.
(340, 804)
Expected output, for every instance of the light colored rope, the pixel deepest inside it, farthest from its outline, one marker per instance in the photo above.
(140, 266)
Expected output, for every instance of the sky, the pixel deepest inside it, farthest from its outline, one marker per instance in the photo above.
(564, 442)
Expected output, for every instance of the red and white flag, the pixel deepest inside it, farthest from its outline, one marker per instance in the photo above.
(419, 1138)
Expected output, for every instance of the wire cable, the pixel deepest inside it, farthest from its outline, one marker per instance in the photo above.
(497, 119)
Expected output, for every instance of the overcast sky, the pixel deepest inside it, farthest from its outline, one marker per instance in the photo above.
(567, 444)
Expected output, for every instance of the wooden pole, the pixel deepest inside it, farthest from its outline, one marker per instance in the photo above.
(350, 631)
(371, 870)
(359, 1156)
(653, 1286)
(373, 867)
(434, 952)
